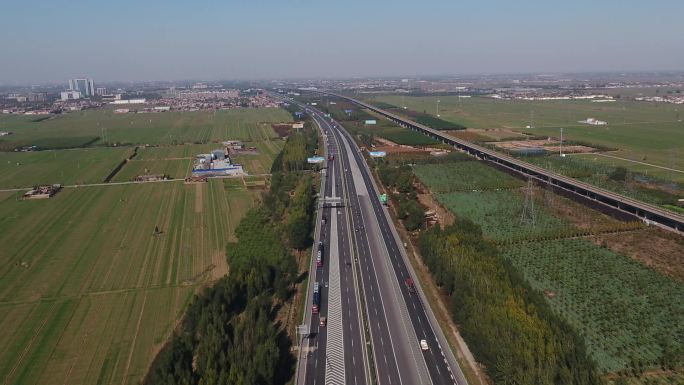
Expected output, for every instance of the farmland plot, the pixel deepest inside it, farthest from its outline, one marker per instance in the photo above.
(174, 168)
(78, 166)
(261, 163)
(79, 128)
(390, 131)
(464, 176)
(89, 290)
(183, 151)
(499, 213)
(626, 311)
(647, 132)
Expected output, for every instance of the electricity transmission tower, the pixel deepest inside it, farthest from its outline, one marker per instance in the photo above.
(527, 216)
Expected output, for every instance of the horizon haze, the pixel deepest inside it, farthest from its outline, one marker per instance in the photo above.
(128, 41)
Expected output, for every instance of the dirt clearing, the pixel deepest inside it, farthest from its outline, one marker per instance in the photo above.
(656, 248)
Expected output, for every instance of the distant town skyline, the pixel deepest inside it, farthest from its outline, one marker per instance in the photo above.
(305, 39)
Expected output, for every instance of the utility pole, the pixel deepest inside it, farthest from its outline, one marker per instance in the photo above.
(531, 118)
(438, 107)
(561, 142)
(527, 216)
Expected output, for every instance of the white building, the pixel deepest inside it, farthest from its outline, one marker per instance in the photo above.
(70, 95)
(129, 101)
(593, 122)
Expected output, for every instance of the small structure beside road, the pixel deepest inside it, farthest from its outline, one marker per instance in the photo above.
(43, 192)
(151, 177)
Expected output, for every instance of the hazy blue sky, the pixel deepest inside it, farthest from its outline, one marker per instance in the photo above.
(135, 40)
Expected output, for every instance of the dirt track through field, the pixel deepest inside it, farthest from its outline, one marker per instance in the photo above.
(199, 199)
(30, 344)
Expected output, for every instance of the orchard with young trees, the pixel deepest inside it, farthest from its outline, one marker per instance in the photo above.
(508, 326)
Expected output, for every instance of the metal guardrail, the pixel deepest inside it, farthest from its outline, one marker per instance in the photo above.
(365, 331)
(334, 358)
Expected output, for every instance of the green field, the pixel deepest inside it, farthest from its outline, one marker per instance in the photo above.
(77, 166)
(500, 213)
(183, 151)
(625, 311)
(464, 176)
(176, 161)
(88, 292)
(77, 128)
(648, 170)
(641, 131)
(174, 168)
(390, 131)
(260, 164)
(599, 174)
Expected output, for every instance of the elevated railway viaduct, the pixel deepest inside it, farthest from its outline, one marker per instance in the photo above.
(648, 213)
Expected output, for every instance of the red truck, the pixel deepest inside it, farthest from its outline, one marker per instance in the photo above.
(409, 285)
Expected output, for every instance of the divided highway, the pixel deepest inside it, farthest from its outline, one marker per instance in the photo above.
(334, 350)
(366, 249)
(430, 366)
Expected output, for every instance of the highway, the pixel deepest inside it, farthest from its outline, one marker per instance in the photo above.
(334, 353)
(414, 307)
(397, 319)
(363, 287)
(649, 213)
(386, 367)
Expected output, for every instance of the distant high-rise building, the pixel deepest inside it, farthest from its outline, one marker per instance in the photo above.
(85, 86)
(99, 91)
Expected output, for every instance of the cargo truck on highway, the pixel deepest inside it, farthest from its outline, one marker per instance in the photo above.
(319, 255)
(316, 298)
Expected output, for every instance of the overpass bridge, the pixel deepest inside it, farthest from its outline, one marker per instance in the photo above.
(648, 213)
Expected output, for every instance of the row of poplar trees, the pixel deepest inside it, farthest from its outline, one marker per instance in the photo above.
(229, 334)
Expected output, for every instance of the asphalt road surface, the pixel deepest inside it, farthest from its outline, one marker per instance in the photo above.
(369, 270)
(334, 353)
